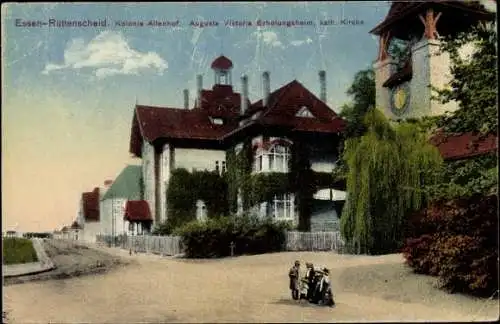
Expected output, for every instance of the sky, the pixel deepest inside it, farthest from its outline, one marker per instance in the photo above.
(68, 93)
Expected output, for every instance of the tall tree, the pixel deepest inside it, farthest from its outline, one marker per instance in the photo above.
(474, 81)
(386, 167)
(362, 92)
(474, 88)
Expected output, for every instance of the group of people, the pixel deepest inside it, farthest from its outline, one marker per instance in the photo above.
(314, 286)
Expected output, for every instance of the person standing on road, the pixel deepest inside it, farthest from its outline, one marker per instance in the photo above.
(293, 274)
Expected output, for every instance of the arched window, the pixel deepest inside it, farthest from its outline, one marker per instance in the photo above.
(279, 157)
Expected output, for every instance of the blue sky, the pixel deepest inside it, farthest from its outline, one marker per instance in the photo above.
(69, 93)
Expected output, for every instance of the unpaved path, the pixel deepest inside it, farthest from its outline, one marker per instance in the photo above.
(242, 289)
(71, 260)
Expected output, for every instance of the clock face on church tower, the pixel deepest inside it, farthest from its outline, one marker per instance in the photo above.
(400, 99)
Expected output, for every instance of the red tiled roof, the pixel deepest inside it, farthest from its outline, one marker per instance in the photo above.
(151, 123)
(222, 62)
(162, 122)
(137, 211)
(221, 101)
(91, 205)
(284, 104)
(460, 146)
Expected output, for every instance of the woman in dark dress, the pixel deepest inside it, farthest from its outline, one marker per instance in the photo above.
(293, 274)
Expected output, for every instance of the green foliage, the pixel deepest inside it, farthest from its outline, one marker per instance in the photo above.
(212, 239)
(386, 169)
(474, 82)
(239, 168)
(467, 177)
(264, 186)
(399, 50)
(18, 250)
(165, 228)
(362, 92)
(186, 188)
(457, 240)
(474, 87)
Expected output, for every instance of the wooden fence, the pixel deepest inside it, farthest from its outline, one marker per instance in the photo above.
(172, 245)
(164, 245)
(314, 241)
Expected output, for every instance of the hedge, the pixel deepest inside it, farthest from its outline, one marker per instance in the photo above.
(458, 241)
(250, 235)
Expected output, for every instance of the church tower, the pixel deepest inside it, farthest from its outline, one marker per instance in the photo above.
(404, 88)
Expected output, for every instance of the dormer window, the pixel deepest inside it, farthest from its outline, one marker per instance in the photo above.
(217, 121)
(304, 112)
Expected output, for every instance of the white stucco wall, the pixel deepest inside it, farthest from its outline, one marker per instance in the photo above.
(325, 164)
(111, 217)
(198, 159)
(90, 231)
(383, 70)
(167, 164)
(148, 175)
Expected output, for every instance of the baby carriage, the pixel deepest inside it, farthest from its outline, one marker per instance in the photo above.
(304, 288)
(322, 294)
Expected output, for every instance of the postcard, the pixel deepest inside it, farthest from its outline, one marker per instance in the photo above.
(138, 136)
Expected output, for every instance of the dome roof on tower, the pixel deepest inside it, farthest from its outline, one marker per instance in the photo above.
(222, 63)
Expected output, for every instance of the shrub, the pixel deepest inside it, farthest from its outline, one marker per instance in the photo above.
(250, 235)
(18, 250)
(457, 240)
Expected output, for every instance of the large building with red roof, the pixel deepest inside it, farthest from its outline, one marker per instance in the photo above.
(405, 90)
(197, 136)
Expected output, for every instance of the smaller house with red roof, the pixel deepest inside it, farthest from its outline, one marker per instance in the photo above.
(88, 218)
(221, 120)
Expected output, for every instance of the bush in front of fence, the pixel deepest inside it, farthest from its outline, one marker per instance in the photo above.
(246, 235)
(462, 245)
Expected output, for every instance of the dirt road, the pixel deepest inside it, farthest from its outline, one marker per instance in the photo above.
(242, 289)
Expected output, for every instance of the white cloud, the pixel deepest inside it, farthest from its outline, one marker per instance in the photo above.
(108, 54)
(269, 37)
(301, 42)
(489, 5)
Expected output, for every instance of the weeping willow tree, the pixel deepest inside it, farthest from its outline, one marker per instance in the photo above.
(387, 167)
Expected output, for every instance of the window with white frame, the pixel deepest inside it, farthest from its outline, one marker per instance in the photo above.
(279, 157)
(282, 207)
(257, 163)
